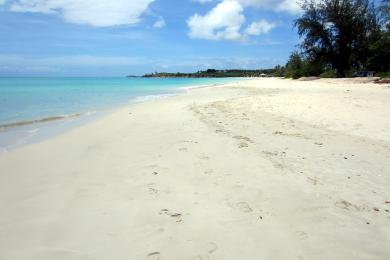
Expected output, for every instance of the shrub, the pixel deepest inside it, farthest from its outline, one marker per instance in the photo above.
(384, 74)
(328, 74)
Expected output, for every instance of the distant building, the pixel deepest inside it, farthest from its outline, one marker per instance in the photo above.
(263, 75)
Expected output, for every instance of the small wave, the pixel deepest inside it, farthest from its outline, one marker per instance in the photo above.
(33, 131)
(143, 99)
(202, 86)
(4, 127)
(89, 113)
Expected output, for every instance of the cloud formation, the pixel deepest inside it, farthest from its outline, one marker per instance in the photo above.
(98, 13)
(160, 23)
(289, 6)
(225, 22)
(259, 27)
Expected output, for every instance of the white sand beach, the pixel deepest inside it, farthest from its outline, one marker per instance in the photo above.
(261, 169)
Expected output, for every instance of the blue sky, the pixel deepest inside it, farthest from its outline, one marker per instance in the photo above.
(121, 37)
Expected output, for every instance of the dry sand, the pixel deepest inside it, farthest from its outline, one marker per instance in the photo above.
(262, 169)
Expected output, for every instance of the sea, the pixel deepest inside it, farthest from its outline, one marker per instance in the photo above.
(34, 109)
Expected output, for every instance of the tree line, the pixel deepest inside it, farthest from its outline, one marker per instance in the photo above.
(340, 37)
(212, 73)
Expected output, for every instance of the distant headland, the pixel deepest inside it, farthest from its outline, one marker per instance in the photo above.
(213, 73)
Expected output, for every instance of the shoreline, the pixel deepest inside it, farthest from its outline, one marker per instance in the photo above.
(231, 172)
(49, 127)
(82, 119)
(6, 126)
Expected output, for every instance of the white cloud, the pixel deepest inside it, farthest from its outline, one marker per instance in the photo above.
(160, 23)
(99, 13)
(259, 27)
(290, 6)
(223, 22)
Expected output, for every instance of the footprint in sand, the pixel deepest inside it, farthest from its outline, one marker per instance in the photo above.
(244, 207)
(243, 138)
(154, 256)
(313, 180)
(349, 206)
(345, 205)
(243, 145)
(241, 206)
(151, 189)
(183, 149)
(212, 247)
(177, 216)
(276, 158)
(271, 154)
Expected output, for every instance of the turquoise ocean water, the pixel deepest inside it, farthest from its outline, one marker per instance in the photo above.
(30, 106)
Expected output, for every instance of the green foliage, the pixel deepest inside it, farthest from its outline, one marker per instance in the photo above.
(278, 71)
(328, 74)
(294, 66)
(338, 31)
(384, 74)
(312, 67)
(379, 50)
(379, 58)
(300, 66)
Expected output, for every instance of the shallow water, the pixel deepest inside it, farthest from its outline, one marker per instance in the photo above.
(33, 108)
